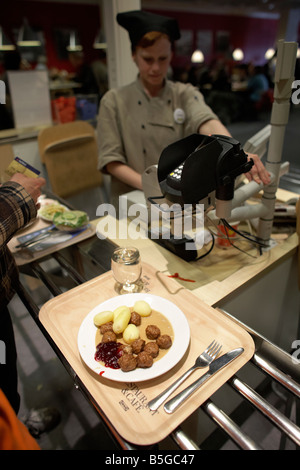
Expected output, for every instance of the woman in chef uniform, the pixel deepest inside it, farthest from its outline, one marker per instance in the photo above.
(137, 121)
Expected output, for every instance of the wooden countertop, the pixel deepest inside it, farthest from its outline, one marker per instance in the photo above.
(212, 278)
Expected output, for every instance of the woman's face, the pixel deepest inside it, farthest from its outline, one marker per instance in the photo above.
(153, 62)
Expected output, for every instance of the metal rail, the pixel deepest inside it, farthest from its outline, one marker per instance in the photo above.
(229, 426)
(273, 362)
(281, 421)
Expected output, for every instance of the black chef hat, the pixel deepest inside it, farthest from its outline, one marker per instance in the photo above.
(138, 23)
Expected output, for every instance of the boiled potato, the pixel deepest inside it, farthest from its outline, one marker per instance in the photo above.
(103, 317)
(142, 308)
(121, 321)
(120, 309)
(131, 333)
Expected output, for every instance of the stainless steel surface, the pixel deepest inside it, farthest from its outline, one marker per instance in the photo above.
(274, 372)
(214, 367)
(73, 273)
(45, 278)
(183, 441)
(203, 360)
(271, 354)
(229, 426)
(268, 410)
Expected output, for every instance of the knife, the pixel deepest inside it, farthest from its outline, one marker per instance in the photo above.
(214, 367)
(26, 240)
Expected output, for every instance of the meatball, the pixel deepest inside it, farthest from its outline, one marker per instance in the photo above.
(126, 349)
(135, 318)
(152, 349)
(164, 342)
(106, 327)
(144, 360)
(152, 332)
(127, 362)
(137, 346)
(109, 336)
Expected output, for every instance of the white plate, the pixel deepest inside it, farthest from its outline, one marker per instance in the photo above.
(87, 333)
(47, 202)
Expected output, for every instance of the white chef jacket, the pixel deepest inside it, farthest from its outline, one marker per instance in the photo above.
(134, 128)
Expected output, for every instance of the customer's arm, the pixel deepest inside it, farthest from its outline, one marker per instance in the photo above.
(18, 199)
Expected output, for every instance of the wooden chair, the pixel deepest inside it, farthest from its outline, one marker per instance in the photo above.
(69, 152)
(6, 157)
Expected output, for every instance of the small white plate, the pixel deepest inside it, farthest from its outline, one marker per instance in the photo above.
(48, 202)
(181, 329)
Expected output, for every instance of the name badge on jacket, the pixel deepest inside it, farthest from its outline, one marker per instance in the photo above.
(179, 116)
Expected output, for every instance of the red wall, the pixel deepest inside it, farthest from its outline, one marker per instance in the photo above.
(48, 16)
(253, 35)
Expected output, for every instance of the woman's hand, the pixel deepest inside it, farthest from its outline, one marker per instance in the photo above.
(258, 172)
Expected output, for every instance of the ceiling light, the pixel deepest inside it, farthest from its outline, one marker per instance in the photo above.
(238, 54)
(5, 44)
(27, 37)
(100, 40)
(74, 43)
(269, 53)
(197, 57)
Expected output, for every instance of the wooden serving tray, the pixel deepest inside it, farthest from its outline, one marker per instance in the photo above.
(125, 404)
(23, 257)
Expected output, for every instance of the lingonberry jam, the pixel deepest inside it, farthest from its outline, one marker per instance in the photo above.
(109, 353)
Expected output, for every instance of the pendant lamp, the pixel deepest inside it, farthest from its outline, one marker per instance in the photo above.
(238, 54)
(100, 40)
(74, 43)
(197, 57)
(27, 37)
(5, 44)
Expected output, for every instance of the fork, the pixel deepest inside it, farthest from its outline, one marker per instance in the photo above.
(205, 358)
(37, 236)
